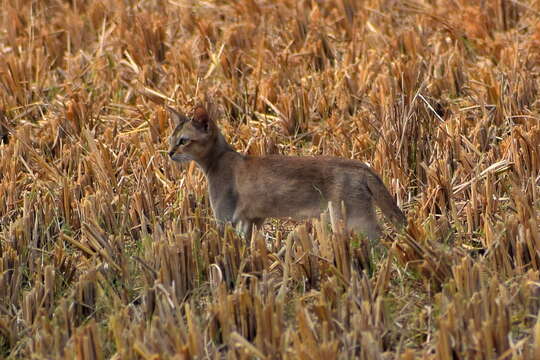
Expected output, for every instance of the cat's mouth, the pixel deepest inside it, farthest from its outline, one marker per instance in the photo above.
(180, 157)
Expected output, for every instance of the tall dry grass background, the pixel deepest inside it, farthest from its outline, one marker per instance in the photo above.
(108, 249)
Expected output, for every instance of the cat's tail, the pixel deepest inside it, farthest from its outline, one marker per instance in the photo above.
(384, 200)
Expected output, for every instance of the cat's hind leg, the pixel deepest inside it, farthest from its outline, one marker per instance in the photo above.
(338, 215)
(364, 221)
(360, 219)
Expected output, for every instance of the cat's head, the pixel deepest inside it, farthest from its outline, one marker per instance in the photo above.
(192, 135)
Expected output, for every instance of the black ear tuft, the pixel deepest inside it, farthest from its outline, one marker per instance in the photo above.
(201, 118)
(176, 118)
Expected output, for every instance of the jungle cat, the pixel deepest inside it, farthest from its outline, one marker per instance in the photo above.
(245, 190)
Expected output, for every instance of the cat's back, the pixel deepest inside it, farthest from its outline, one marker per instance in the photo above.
(291, 171)
(319, 164)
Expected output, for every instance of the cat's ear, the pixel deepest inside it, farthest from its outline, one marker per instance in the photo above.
(175, 118)
(201, 118)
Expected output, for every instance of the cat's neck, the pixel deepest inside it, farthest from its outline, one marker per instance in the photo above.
(211, 162)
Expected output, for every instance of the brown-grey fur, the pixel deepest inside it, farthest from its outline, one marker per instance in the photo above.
(245, 190)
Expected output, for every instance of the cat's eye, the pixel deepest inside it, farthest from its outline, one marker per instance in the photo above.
(182, 141)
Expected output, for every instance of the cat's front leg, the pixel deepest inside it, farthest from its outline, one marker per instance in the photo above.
(223, 216)
(243, 225)
(223, 209)
(245, 228)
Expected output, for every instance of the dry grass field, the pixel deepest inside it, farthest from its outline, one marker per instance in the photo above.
(109, 250)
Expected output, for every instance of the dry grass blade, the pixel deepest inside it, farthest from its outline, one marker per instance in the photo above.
(241, 342)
